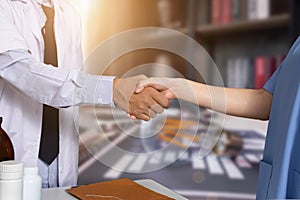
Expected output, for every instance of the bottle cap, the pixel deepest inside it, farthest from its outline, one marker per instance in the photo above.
(30, 171)
(10, 170)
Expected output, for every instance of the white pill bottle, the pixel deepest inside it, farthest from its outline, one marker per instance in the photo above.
(11, 180)
(32, 187)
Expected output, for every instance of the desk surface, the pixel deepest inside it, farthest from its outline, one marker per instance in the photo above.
(61, 194)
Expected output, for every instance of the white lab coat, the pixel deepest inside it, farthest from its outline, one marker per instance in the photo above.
(20, 28)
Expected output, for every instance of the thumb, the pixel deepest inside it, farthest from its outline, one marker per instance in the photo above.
(156, 83)
(168, 94)
(141, 86)
(153, 85)
(139, 89)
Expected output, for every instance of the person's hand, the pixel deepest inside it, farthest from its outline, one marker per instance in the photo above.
(180, 88)
(147, 104)
(162, 84)
(166, 86)
(143, 105)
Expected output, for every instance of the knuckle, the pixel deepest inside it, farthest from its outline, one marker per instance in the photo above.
(167, 105)
(160, 111)
(152, 114)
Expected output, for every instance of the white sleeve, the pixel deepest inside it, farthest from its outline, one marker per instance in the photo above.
(53, 86)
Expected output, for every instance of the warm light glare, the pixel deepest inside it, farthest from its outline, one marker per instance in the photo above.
(82, 7)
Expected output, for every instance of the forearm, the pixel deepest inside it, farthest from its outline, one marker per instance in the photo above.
(247, 103)
(53, 86)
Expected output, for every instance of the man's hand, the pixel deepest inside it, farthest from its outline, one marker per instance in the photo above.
(147, 104)
(143, 105)
(167, 86)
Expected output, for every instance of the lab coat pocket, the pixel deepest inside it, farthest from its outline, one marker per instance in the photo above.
(295, 187)
(265, 173)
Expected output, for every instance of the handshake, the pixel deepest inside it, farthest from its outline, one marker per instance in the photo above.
(142, 97)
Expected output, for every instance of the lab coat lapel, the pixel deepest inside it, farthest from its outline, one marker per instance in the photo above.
(60, 29)
(34, 15)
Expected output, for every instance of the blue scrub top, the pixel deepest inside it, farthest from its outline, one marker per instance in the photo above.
(279, 173)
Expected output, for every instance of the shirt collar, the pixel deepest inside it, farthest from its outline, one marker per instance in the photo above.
(47, 3)
(51, 3)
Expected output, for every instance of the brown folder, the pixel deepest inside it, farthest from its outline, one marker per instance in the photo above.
(123, 189)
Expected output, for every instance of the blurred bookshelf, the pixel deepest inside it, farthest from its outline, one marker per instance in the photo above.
(245, 30)
(276, 21)
(269, 31)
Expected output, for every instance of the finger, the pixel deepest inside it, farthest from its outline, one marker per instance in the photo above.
(168, 94)
(143, 84)
(139, 89)
(152, 114)
(152, 104)
(161, 99)
(158, 87)
(144, 117)
(157, 108)
(142, 114)
(133, 117)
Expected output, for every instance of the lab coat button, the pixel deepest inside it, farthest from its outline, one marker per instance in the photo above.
(100, 100)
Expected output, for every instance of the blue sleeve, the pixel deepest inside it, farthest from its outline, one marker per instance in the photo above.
(270, 84)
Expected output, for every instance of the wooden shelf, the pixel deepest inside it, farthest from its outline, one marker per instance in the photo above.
(183, 30)
(163, 34)
(276, 21)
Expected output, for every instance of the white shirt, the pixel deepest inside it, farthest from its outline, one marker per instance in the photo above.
(26, 83)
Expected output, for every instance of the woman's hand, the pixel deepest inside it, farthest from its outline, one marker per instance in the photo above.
(162, 84)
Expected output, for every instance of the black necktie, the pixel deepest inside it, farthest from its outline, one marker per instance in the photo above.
(49, 145)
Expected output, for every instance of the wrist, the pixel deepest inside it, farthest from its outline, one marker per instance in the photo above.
(177, 84)
(115, 82)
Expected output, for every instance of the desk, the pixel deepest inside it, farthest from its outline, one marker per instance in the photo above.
(61, 194)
